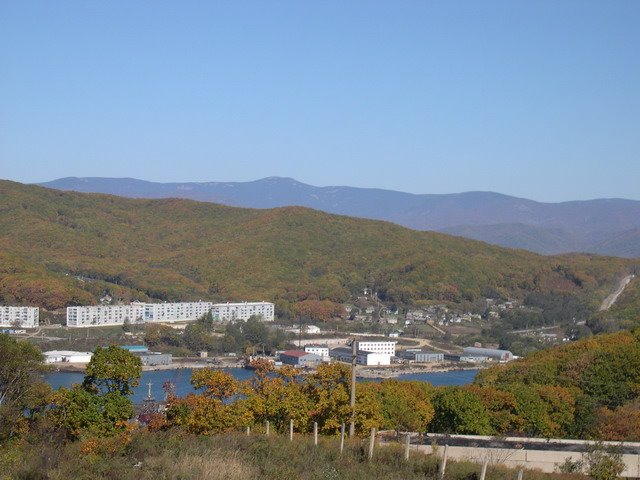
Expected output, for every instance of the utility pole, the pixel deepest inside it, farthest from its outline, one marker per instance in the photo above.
(354, 358)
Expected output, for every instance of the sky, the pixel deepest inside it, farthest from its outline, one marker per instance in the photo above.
(538, 99)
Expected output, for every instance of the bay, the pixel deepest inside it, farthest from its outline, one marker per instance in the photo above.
(180, 378)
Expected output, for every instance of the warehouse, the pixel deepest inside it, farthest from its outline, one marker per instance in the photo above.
(67, 356)
(345, 354)
(492, 353)
(421, 356)
(149, 359)
(320, 350)
(466, 358)
(299, 358)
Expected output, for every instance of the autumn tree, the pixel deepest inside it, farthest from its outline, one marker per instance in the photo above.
(279, 398)
(219, 408)
(329, 390)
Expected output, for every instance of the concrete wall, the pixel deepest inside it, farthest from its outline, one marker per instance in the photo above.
(544, 460)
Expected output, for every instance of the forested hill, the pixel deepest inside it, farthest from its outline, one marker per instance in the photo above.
(59, 248)
(601, 226)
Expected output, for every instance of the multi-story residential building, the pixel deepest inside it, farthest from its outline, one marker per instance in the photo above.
(138, 312)
(175, 312)
(243, 311)
(387, 348)
(100, 315)
(25, 317)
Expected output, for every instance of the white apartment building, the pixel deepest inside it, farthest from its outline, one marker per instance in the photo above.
(320, 350)
(175, 312)
(386, 348)
(25, 317)
(242, 311)
(101, 315)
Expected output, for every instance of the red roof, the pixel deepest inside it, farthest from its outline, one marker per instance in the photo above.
(295, 353)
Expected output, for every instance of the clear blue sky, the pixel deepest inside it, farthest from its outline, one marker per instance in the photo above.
(539, 99)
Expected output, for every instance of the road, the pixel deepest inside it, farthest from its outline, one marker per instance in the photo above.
(611, 299)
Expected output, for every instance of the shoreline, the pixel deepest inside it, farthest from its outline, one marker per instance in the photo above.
(394, 371)
(361, 372)
(66, 367)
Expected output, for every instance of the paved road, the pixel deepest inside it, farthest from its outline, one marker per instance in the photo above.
(611, 299)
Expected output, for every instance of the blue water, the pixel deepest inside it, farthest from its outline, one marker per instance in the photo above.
(180, 377)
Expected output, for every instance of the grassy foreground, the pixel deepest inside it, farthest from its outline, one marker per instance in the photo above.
(174, 454)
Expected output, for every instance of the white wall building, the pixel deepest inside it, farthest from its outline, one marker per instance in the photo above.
(57, 356)
(101, 315)
(320, 350)
(242, 311)
(313, 329)
(175, 312)
(138, 312)
(345, 354)
(25, 317)
(386, 348)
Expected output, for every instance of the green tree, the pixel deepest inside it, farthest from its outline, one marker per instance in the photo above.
(459, 411)
(80, 412)
(112, 369)
(405, 405)
(22, 392)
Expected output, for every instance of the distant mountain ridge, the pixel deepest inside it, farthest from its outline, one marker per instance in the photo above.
(603, 226)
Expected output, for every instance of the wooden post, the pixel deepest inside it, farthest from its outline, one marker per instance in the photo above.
(443, 466)
(407, 442)
(483, 473)
(315, 433)
(291, 430)
(248, 430)
(352, 400)
(520, 474)
(266, 427)
(372, 442)
(342, 429)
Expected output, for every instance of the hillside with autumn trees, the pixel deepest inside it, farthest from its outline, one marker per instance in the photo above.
(64, 248)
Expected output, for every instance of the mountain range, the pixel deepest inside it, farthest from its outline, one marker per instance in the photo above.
(602, 226)
(62, 248)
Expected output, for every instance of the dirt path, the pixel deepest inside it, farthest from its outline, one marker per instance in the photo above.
(611, 299)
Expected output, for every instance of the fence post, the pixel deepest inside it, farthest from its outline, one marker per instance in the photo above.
(291, 430)
(342, 429)
(372, 442)
(443, 466)
(407, 442)
(248, 430)
(483, 474)
(315, 433)
(266, 427)
(520, 474)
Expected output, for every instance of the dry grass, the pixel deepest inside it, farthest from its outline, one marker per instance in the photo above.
(217, 465)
